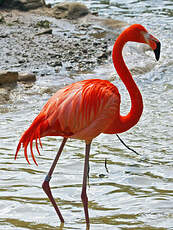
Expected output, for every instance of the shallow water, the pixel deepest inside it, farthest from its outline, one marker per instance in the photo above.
(137, 193)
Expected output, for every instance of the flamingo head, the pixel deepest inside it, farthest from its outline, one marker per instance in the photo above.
(138, 33)
(153, 43)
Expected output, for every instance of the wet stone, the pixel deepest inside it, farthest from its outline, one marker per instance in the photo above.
(85, 51)
(23, 4)
(21, 61)
(70, 10)
(7, 77)
(26, 77)
(4, 95)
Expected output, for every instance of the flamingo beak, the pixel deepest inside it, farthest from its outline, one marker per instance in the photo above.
(153, 43)
(157, 50)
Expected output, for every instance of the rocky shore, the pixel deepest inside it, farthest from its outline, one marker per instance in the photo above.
(43, 40)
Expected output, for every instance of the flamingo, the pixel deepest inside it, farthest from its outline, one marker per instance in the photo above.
(87, 108)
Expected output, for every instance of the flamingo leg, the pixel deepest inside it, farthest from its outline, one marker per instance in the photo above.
(45, 184)
(84, 185)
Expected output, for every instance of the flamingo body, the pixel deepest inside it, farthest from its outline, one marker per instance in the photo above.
(87, 108)
(77, 111)
(81, 110)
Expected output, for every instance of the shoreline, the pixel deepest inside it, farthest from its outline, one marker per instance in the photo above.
(83, 43)
(35, 42)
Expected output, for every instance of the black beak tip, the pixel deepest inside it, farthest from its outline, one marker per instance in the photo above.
(157, 50)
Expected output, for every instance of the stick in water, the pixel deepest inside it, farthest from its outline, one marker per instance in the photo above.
(127, 145)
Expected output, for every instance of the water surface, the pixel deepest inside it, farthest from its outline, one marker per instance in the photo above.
(137, 193)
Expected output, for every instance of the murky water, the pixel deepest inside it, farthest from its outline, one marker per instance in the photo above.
(137, 193)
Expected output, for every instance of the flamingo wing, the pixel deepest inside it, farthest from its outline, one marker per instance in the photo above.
(81, 110)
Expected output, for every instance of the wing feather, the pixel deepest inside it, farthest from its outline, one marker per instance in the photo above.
(81, 104)
(81, 110)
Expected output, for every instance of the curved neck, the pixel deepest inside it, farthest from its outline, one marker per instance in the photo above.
(126, 122)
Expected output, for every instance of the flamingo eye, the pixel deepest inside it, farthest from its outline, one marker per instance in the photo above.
(146, 36)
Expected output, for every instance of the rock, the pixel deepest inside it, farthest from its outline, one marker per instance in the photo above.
(2, 19)
(70, 10)
(4, 95)
(112, 24)
(48, 31)
(43, 24)
(101, 54)
(101, 25)
(23, 4)
(26, 77)
(8, 77)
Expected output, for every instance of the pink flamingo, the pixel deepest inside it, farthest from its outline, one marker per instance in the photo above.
(87, 108)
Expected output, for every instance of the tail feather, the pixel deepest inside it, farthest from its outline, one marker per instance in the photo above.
(36, 144)
(25, 150)
(34, 132)
(32, 154)
(38, 136)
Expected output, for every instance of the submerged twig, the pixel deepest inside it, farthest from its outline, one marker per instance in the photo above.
(106, 166)
(127, 145)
